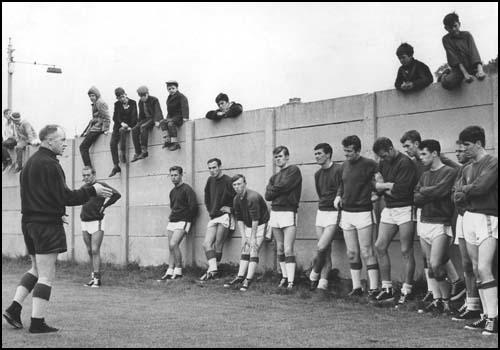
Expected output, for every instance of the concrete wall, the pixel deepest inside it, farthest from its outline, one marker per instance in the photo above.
(135, 226)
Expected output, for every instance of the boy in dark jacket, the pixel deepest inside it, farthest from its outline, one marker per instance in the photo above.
(124, 119)
(461, 53)
(226, 109)
(150, 115)
(177, 112)
(413, 75)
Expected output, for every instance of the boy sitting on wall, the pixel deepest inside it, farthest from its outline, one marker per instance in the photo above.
(226, 109)
(461, 53)
(413, 75)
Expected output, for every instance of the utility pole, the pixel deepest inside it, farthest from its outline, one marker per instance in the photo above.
(10, 59)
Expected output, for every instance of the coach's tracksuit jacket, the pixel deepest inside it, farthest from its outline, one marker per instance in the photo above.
(44, 193)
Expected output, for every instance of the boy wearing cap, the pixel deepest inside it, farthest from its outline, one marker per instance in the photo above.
(177, 112)
(124, 119)
(25, 135)
(149, 114)
(226, 109)
(98, 125)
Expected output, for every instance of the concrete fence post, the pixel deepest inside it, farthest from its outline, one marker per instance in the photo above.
(494, 91)
(125, 212)
(190, 179)
(72, 222)
(369, 124)
(270, 143)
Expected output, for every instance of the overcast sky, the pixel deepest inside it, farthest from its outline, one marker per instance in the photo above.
(259, 54)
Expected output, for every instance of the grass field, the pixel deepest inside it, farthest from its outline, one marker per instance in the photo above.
(133, 310)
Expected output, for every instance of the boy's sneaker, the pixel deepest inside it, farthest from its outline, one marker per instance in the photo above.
(283, 282)
(165, 277)
(479, 324)
(210, 275)
(358, 292)
(428, 297)
(13, 318)
(372, 295)
(166, 144)
(467, 315)
(38, 325)
(245, 285)
(97, 283)
(313, 285)
(174, 146)
(457, 290)
(135, 158)
(386, 295)
(234, 282)
(491, 326)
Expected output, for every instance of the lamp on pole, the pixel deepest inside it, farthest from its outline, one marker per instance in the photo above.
(10, 59)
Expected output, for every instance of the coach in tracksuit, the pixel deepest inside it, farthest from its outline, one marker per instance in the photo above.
(44, 195)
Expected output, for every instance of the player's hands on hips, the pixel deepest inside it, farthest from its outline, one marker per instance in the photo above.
(102, 191)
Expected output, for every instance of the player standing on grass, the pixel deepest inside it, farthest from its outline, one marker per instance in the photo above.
(219, 195)
(358, 220)
(327, 181)
(398, 180)
(284, 190)
(44, 196)
(432, 196)
(252, 215)
(183, 210)
(92, 218)
(479, 191)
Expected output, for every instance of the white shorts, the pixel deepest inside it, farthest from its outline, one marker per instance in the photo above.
(326, 218)
(179, 225)
(356, 220)
(398, 216)
(282, 219)
(428, 231)
(226, 220)
(478, 227)
(459, 228)
(261, 231)
(93, 226)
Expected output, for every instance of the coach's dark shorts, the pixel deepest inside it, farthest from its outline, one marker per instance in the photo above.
(44, 238)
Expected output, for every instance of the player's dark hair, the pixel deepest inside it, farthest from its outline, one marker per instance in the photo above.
(431, 145)
(237, 177)
(352, 140)
(404, 49)
(221, 97)
(176, 168)
(473, 134)
(278, 149)
(382, 144)
(411, 135)
(89, 167)
(47, 130)
(211, 160)
(450, 19)
(325, 147)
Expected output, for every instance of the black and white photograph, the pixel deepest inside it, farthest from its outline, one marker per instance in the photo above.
(249, 175)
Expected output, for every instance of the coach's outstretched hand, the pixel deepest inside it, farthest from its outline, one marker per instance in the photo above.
(102, 191)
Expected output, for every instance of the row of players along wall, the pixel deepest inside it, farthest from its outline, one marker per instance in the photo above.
(135, 225)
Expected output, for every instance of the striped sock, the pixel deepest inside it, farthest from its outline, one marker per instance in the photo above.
(290, 268)
(252, 267)
(41, 296)
(178, 271)
(434, 286)
(314, 276)
(386, 284)
(373, 275)
(323, 283)
(170, 271)
(490, 293)
(281, 259)
(26, 285)
(356, 275)
(473, 303)
(245, 258)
